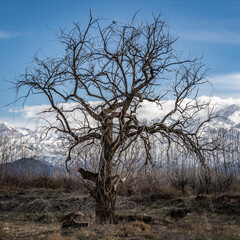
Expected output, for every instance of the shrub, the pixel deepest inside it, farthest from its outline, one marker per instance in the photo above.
(150, 185)
(46, 182)
(134, 229)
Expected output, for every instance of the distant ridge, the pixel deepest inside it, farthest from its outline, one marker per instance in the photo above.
(29, 167)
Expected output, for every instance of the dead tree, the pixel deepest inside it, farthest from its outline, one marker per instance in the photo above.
(96, 87)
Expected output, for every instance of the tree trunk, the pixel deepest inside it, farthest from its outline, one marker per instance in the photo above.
(105, 195)
(105, 207)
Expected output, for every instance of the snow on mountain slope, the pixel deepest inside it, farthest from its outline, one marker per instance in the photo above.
(23, 142)
(5, 128)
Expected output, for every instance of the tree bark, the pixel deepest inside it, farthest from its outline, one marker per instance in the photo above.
(105, 191)
(105, 206)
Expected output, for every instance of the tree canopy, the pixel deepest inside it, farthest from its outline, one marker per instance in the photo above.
(104, 75)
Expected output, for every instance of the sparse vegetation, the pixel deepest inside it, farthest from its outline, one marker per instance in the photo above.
(40, 214)
(57, 236)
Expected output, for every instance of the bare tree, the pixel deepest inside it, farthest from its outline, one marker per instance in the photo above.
(96, 87)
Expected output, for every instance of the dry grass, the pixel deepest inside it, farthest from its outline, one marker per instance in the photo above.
(206, 217)
(134, 229)
(1, 231)
(57, 236)
(87, 233)
(141, 225)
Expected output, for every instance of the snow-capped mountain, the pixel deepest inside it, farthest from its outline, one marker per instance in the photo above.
(16, 143)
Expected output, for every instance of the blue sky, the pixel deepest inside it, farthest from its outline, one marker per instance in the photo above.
(209, 28)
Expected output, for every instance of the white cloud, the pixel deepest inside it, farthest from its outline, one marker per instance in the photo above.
(222, 36)
(33, 111)
(149, 111)
(227, 81)
(218, 31)
(7, 35)
(36, 112)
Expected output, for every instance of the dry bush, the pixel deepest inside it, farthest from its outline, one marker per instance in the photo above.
(30, 182)
(57, 236)
(87, 233)
(180, 178)
(134, 229)
(67, 183)
(223, 183)
(72, 183)
(204, 181)
(152, 184)
(211, 181)
(9, 181)
(45, 182)
(167, 192)
(143, 226)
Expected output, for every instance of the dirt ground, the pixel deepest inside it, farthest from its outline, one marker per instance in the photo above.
(55, 214)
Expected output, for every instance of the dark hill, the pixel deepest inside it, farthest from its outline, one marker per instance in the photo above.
(29, 167)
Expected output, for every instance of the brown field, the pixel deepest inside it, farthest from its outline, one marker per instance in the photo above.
(58, 215)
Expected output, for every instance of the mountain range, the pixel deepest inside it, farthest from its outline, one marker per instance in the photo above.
(21, 143)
